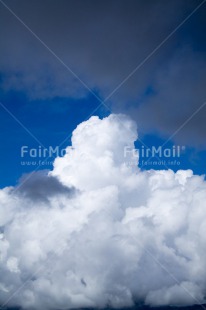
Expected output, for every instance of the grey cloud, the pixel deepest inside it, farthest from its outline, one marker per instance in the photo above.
(102, 42)
(178, 92)
(40, 186)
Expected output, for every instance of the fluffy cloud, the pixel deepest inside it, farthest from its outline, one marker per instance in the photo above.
(96, 231)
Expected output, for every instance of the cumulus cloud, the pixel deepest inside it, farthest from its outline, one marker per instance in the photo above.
(107, 233)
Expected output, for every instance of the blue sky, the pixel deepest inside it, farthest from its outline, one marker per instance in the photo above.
(52, 121)
(48, 99)
(61, 63)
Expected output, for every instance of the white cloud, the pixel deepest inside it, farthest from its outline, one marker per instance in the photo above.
(107, 233)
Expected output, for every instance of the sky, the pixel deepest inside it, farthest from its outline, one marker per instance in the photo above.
(117, 88)
(60, 61)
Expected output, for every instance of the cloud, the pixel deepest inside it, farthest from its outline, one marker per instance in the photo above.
(124, 236)
(176, 96)
(98, 41)
(103, 42)
(41, 186)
